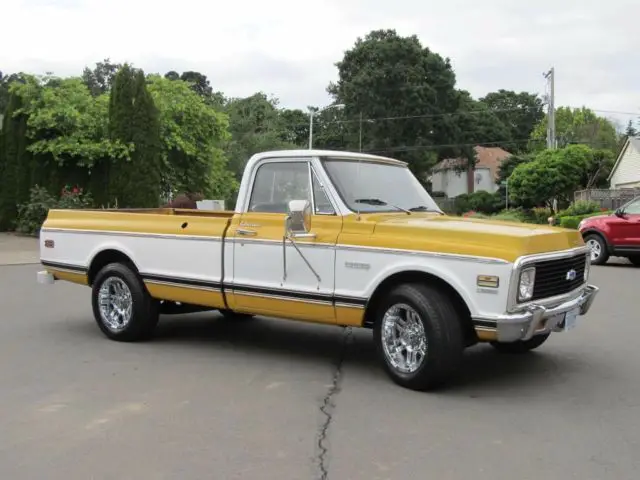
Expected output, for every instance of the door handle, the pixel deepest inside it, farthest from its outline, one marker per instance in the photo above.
(246, 231)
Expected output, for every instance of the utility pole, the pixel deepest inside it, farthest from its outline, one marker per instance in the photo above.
(360, 141)
(311, 114)
(551, 109)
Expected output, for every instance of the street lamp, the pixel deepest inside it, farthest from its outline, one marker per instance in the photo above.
(312, 113)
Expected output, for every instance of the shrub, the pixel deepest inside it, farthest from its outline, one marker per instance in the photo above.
(31, 215)
(474, 214)
(508, 216)
(580, 208)
(540, 215)
(481, 201)
(572, 221)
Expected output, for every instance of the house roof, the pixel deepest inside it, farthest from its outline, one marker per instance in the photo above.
(487, 157)
(635, 143)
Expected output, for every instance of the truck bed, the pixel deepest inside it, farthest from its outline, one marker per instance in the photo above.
(177, 252)
(171, 221)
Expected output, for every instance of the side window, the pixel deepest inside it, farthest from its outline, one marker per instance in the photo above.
(633, 208)
(276, 184)
(321, 200)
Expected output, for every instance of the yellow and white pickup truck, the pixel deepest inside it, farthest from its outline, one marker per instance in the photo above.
(339, 238)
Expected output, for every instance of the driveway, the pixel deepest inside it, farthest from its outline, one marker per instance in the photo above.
(270, 399)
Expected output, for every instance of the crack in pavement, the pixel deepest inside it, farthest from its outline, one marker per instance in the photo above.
(327, 407)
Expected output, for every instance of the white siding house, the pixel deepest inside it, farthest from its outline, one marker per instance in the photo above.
(626, 171)
(449, 176)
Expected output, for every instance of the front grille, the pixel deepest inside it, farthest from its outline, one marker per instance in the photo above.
(551, 276)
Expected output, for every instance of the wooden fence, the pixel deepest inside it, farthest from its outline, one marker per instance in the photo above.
(609, 199)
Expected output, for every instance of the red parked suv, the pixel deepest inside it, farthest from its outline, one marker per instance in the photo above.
(615, 235)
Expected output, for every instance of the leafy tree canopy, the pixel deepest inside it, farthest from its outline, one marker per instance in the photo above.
(554, 174)
(66, 121)
(255, 125)
(193, 134)
(578, 125)
(385, 76)
(519, 112)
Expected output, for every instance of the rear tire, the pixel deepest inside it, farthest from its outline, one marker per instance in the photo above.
(521, 346)
(418, 336)
(122, 307)
(598, 247)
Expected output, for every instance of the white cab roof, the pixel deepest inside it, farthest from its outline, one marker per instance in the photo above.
(308, 153)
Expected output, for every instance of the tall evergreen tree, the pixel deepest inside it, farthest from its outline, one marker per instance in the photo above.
(133, 119)
(15, 163)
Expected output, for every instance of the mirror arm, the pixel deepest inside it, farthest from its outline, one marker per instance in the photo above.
(291, 237)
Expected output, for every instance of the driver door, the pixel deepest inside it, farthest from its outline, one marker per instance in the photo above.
(260, 285)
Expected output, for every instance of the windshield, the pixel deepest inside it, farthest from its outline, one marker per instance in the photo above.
(378, 187)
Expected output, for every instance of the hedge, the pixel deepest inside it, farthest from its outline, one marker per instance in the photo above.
(572, 221)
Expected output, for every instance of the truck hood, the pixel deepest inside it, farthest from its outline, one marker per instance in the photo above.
(468, 236)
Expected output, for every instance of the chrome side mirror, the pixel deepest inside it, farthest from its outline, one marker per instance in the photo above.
(296, 226)
(299, 219)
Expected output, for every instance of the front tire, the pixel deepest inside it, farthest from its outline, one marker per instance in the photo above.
(122, 307)
(521, 346)
(418, 336)
(598, 249)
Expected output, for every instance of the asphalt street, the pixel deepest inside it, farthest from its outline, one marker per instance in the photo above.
(271, 399)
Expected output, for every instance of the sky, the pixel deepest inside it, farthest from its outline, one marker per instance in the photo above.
(289, 48)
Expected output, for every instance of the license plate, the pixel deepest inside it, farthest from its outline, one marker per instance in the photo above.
(571, 319)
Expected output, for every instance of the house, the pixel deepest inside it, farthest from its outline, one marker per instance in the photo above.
(448, 176)
(626, 171)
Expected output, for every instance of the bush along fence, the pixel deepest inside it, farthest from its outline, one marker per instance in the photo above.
(567, 218)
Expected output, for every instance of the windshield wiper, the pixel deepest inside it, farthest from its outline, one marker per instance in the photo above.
(377, 201)
(423, 208)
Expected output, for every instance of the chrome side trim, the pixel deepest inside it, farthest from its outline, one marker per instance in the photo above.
(349, 305)
(393, 251)
(181, 285)
(424, 253)
(272, 296)
(120, 233)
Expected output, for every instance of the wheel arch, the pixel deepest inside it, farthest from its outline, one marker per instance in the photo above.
(106, 256)
(420, 276)
(599, 233)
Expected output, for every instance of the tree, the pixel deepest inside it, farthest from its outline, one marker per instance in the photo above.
(14, 162)
(295, 127)
(519, 112)
(67, 131)
(475, 124)
(407, 90)
(631, 129)
(193, 134)
(100, 79)
(133, 121)
(579, 125)
(200, 85)
(255, 125)
(553, 174)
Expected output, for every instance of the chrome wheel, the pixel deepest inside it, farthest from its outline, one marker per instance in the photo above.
(116, 303)
(595, 249)
(403, 338)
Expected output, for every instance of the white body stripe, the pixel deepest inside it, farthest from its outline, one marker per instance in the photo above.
(259, 264)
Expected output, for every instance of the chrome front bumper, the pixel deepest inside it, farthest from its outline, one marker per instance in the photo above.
(535, 319)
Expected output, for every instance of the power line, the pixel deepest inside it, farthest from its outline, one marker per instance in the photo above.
(409, 148)
(446, 114)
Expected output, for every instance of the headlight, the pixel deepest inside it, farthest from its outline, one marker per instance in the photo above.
(525, 285)
(581, 224)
